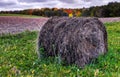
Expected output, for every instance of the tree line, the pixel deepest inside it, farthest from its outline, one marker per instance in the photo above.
(110, 10)
(47, 12)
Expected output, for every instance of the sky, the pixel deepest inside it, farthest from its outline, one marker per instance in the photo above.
(31, 4)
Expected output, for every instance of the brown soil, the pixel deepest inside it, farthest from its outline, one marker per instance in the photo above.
(18, 24)
(9, 24)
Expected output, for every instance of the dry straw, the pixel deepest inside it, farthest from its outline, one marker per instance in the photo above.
(73, 40)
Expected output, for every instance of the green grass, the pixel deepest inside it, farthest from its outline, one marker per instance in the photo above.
(19, 59)
(21, 15)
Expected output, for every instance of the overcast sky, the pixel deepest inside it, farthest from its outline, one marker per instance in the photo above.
(26, 4)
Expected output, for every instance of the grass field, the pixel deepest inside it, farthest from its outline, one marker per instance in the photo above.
(20, 15)
(19, 59)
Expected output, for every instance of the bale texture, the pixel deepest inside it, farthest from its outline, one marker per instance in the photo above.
(74, 40)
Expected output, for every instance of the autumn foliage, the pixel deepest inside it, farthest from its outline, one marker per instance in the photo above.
(110, 10)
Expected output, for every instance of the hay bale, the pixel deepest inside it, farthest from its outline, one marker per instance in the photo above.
(74, 40)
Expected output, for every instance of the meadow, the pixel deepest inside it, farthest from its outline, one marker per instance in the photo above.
(18, 58)
(21, 15)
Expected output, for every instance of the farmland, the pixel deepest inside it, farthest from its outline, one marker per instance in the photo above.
(18, 55)
(11, 23)
(16, 24)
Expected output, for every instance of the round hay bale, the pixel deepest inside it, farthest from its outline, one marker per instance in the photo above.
(74, 40)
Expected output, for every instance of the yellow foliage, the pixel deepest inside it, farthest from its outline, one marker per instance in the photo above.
(96, 72)
(70, 15)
